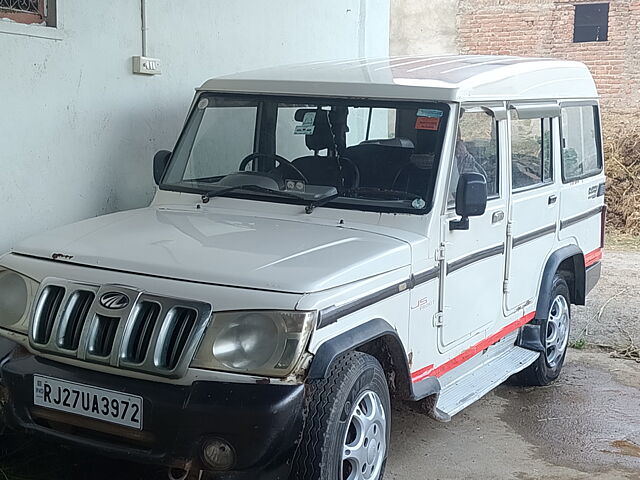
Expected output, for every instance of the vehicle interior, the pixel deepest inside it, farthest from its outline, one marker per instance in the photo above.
(367, 152)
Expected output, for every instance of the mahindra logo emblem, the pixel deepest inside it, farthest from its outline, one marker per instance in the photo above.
(114, 300)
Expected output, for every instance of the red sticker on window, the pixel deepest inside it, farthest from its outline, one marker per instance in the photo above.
(427, 123)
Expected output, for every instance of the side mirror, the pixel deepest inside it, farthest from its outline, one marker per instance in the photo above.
(471, 199)
(160, 162)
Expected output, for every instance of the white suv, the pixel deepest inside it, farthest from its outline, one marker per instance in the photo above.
(323, 236)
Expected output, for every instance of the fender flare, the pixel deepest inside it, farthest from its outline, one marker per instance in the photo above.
(554, 261)
(351, 340)
(530, 335)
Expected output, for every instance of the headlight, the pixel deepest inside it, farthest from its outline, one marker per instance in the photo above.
(261, 343)
(16, 293)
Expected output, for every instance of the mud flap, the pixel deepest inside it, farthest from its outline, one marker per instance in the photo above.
(530, 338)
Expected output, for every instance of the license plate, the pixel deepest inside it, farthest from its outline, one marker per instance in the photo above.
(88, 401)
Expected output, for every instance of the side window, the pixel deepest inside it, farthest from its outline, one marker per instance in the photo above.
(580, 143)
(476, 151)
(531, 162)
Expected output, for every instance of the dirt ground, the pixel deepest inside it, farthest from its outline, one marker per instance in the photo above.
(611, 317)
(586, 425)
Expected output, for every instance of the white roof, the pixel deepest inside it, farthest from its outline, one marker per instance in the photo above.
(456, 78)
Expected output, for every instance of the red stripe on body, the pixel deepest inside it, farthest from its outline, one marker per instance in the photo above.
(593, 257)
(430, 371)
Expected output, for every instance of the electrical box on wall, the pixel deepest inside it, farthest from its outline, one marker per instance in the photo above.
(146, 65)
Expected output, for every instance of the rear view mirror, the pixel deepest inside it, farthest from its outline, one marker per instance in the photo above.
(160, 162)
(471, 199)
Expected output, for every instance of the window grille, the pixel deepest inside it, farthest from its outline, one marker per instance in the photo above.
(24, 11)
(27, 6)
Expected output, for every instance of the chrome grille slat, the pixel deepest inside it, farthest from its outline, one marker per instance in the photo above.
(47, 310)
(103, 336)
(152, 334)
(144, 321)
(182, 323)
(74, 318)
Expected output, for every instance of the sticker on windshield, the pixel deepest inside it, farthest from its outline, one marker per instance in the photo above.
(418, 203)
(202, 104)
(427, 112)
(304, 130)
(427, 123)
(307, 127)
(309, 118)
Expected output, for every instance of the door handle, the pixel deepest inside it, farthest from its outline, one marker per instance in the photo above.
(552, 199)
(497, 216)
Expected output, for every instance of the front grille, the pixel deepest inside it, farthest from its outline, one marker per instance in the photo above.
(47, 309)
(143, 323)
(118, 326)
(102, 335)
(74, 318)
(179, 323)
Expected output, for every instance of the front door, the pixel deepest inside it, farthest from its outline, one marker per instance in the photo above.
(475, 258)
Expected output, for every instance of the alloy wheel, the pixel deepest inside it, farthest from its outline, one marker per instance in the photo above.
(365, 442)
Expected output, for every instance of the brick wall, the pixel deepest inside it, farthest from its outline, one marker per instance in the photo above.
(545, 28)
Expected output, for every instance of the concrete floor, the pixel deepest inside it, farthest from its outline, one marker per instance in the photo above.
(586, 425)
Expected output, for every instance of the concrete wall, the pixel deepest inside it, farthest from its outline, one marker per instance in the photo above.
(78, 130)
(420, 27)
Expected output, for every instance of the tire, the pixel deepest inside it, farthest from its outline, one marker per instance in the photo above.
(351, 407)
(546, 369)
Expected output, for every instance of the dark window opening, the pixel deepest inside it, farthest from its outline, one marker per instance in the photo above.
(591, 23)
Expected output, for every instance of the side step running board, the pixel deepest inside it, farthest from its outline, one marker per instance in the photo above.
(465, 390)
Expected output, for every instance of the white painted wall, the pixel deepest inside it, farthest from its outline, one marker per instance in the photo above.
(78, 130)
(423, 27)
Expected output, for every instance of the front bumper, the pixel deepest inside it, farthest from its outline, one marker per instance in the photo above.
(261, 422)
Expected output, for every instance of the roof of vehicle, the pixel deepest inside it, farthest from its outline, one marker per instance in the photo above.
(458, 78)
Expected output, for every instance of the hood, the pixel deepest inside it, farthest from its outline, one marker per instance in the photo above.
(223, 248)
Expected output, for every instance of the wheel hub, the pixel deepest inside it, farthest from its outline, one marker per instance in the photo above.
(364, 447)
(557, 334)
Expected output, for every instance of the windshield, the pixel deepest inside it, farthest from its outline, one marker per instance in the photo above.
(355, 154)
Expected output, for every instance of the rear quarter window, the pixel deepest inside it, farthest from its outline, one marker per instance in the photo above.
(581, 152)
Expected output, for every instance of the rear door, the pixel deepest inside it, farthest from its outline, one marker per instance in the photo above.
(535, 201)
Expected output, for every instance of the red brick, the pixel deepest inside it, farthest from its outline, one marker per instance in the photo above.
(545, 28)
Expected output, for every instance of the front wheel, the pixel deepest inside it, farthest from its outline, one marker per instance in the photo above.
(554, 330)
(348, 422)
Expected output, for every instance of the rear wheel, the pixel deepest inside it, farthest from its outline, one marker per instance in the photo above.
(554, 331)
(348, 423)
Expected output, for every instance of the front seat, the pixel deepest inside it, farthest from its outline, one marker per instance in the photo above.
(323, 170)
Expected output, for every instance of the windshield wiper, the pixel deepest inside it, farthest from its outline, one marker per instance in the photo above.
(257, 188)
(384, 192)
(320, 202)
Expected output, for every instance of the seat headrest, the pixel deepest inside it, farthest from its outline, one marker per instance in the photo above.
(322, 137)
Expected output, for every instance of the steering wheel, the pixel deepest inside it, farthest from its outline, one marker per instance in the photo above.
(282, 161)
(354, 168)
